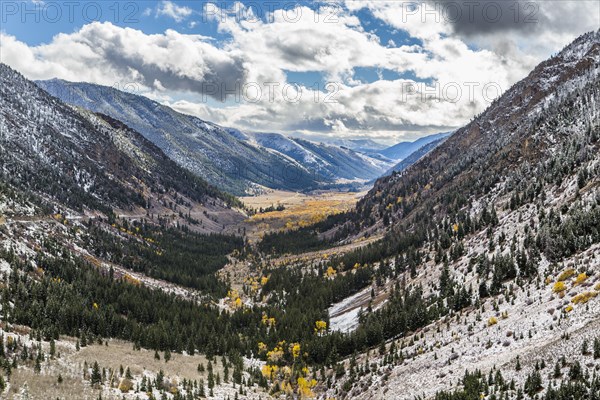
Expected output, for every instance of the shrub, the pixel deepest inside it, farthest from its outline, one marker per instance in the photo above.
(566, 274)
(583, 297)
(125, 385)
(580, 279)
(559, 287)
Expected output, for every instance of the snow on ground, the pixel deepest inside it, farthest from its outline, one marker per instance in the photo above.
(4, 267)
(471, 344)
(346, 322)
(344, 315)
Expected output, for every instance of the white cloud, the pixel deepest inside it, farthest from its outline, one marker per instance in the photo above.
(106, 54)
(172, 10)
(299, 43)
(182, 70)
(377, 108)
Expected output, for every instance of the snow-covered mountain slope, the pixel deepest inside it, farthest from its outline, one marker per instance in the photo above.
(327, 161)
(402, 150)
(84, 161)
(415, 156)
(204, 148)
(497, 231)
(228, 158)
(511, 137)
(368, 146)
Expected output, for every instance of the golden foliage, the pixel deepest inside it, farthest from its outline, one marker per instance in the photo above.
(320, 327)
(559, 287)
(234, 299)
(295, 350)
(276, 354)
(125, 385)
(268, 321)
(131, 280)
(566, 274)
(331, 272)
(269, 371)
(584, 297)
(580, 279)
(492, 321)
(305, 387)
(238, 303)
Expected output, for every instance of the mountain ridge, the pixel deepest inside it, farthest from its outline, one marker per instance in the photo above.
(223, 156)
(86, 161)
(401, 150)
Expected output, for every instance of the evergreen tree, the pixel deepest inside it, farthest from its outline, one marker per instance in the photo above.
(96, 377)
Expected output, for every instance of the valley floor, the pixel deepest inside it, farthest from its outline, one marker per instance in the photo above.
(69, 363)
(300, 209)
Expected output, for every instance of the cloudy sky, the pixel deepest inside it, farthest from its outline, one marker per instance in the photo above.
(387, 70)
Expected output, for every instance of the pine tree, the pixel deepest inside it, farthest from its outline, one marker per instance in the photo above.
(38, 366)
(557, 371)
(211, 378)
(96, 377)
(2, 353)
(201, 387)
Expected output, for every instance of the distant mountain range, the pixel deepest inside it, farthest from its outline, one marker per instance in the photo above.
(404, 149)
(330, 161)
(416, 155)
(362, 145)
(235, 161)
